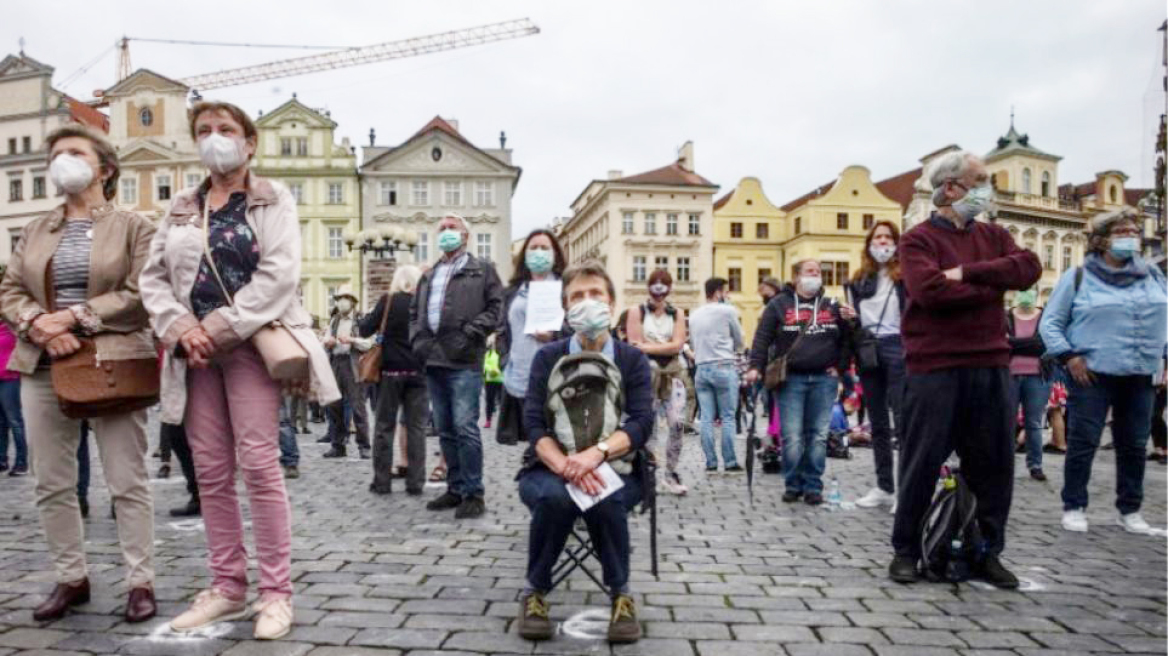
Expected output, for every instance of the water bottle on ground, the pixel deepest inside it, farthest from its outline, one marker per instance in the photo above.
(834, 497)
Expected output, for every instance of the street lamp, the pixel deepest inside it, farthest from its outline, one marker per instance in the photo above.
(384, 242)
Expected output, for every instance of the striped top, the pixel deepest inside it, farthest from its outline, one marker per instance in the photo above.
(71, 263)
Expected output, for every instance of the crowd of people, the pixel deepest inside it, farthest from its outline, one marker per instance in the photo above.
(921, 342)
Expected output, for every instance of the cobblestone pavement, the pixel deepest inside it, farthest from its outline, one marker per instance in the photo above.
(381, 575)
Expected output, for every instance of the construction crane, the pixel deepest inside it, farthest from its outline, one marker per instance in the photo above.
(337, 58)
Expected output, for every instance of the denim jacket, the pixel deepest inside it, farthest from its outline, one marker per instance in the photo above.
(1120, 331)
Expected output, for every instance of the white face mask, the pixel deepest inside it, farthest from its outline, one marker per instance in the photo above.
(882, 253)
(345, 305)
(71, 173)
(222, 154)
(810, 285)
(590, 317)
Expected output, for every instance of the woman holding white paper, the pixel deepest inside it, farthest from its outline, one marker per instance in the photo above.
(540, 260)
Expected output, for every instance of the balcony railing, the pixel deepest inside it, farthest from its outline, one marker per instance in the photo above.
(1036, 200)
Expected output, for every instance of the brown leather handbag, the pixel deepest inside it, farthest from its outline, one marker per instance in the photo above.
(369, 364)
(776, 371)
(87, 387)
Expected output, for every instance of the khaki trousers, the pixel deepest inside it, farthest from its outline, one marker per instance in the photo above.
(121, 444)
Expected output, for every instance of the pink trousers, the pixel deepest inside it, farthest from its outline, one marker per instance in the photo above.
(232, 420)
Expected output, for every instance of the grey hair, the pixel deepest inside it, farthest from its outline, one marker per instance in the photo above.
(461, 221)
(405, 279)
(1102, 224)
(949, 166)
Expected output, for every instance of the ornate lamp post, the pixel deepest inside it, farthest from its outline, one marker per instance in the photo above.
(383, 242)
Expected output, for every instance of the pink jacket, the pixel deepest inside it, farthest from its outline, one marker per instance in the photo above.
(7, 345)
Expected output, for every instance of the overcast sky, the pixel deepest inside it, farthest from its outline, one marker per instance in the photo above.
(788, 91)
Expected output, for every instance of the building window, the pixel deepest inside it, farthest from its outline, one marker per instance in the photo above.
(763, 274)
(38, 187)
(422, 250)
(762, 231)
(671, 224)
(695, 225)
(421, 190)
(331, 296)
(869, 221)
(387, 193)
(129, 191)
(14, 237)
(798, 224)
(1066, 258)
(285, 146)
(146, 117)
(297, 191)
(12, 146)
(193, 180)
(683, 269)
(627, 224)
(453, 194)
(483, 246)
(734, 277)
(842, 272)
(15, 189)
(302, 146)
(736, 230)
(650, 223)
(1113, 194)
(27, 143)
(484, 194)
(638, 268)
(336, 193)
(841, 221)
(162, 186)
(336, 243)
(661, 263)
(1048, 257)
(834, 273)
(1026, 180)
(1046, 184)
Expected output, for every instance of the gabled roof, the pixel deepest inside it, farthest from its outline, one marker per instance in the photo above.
(29, 65)
(1078, 192)
(811, 195)
(723, 200)
(669, 176)
(294, 103)
(439, 124)
(900, 188)
(1017, 144)
(136, 77)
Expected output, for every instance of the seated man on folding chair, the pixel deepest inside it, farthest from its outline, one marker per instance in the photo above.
(589, 402)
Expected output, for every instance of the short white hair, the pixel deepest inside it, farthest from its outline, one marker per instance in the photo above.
(405, 279)
(461, 221)
(951, 166)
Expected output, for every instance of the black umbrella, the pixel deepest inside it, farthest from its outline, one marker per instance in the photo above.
(752, 445)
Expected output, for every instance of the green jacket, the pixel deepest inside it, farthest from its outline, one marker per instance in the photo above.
(491, 371)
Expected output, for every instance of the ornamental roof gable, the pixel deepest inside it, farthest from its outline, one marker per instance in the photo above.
(19, 66)
(145, 79)
(294, 110)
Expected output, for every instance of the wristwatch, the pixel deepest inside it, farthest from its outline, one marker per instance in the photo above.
(602, 445)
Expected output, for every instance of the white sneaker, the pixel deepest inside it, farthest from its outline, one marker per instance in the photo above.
(210, 606)
(876, 498)
(275, 619)
(1076, 520)
(672, 482)
(892, 511)
(1134, 523)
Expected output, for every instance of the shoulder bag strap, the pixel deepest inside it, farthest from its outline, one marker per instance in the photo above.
(207, 247)
(385, 314)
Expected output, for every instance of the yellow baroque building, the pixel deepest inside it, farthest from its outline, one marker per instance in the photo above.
(748, 237)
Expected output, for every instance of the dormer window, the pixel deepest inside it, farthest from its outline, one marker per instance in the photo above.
(1046, 184)
(146, 117)
(1114, 193)
(1026, 189)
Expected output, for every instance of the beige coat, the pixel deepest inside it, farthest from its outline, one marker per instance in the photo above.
(113, 314)
(173, 265)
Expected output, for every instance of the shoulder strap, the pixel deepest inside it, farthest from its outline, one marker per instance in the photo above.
(385, 314)
(1078, 278)
(207, 248)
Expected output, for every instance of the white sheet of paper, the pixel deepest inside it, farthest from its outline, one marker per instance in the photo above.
(545, 307)
(612, 483)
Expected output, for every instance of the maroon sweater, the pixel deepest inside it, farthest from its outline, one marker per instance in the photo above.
(959, 324)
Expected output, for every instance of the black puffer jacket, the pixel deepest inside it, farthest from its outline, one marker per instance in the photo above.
(470, 312)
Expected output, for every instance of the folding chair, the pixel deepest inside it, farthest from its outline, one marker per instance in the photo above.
(581, 551)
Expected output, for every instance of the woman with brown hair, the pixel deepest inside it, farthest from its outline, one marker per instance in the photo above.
(877, 294)
(224, 265)
(73, 276)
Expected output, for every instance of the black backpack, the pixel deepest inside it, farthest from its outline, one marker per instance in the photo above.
(951, 542)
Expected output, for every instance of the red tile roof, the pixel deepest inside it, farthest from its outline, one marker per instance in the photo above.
(83, 113)
(1132, 196)
(440, 123)
(669, 176)
(723, 200)
(819, 191)
(900, 187)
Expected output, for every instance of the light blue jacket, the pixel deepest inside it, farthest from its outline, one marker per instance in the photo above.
(1121, 331)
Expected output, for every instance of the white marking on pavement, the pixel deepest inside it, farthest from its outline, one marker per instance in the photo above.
(187, 525)
(163, 633)
(589, 624)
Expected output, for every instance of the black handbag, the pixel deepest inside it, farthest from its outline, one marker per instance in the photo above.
(867, 350)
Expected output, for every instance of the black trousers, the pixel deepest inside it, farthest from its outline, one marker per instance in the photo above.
(403, 396)
(966, 410)
(493, 391)
(174, 438)
(883, 396)
(1159, 426)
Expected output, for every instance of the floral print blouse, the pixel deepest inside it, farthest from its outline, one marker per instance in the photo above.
(236, 253)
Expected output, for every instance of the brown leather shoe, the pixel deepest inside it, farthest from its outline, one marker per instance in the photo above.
(140, 606)
(62, 598)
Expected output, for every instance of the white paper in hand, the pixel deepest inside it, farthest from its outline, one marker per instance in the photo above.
(545, 307)
(612, 483)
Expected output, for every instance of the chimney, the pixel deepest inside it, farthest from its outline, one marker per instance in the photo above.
(453, 123)
(372, 134)
(502, 140)
(685, 156)
(616, 174)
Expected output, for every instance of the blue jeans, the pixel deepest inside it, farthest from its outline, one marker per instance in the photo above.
(552, 515)
(289, 449)
(1033, 393)
(805, 405)
(454, 396)
(717, 388)
(1130, 399)
(11, 419)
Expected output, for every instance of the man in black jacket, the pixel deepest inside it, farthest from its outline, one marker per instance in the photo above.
(457, 305)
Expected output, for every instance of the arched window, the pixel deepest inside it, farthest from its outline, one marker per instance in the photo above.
(1046, 184)
(1114, 193)
(1026, 181)
(146, 116)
